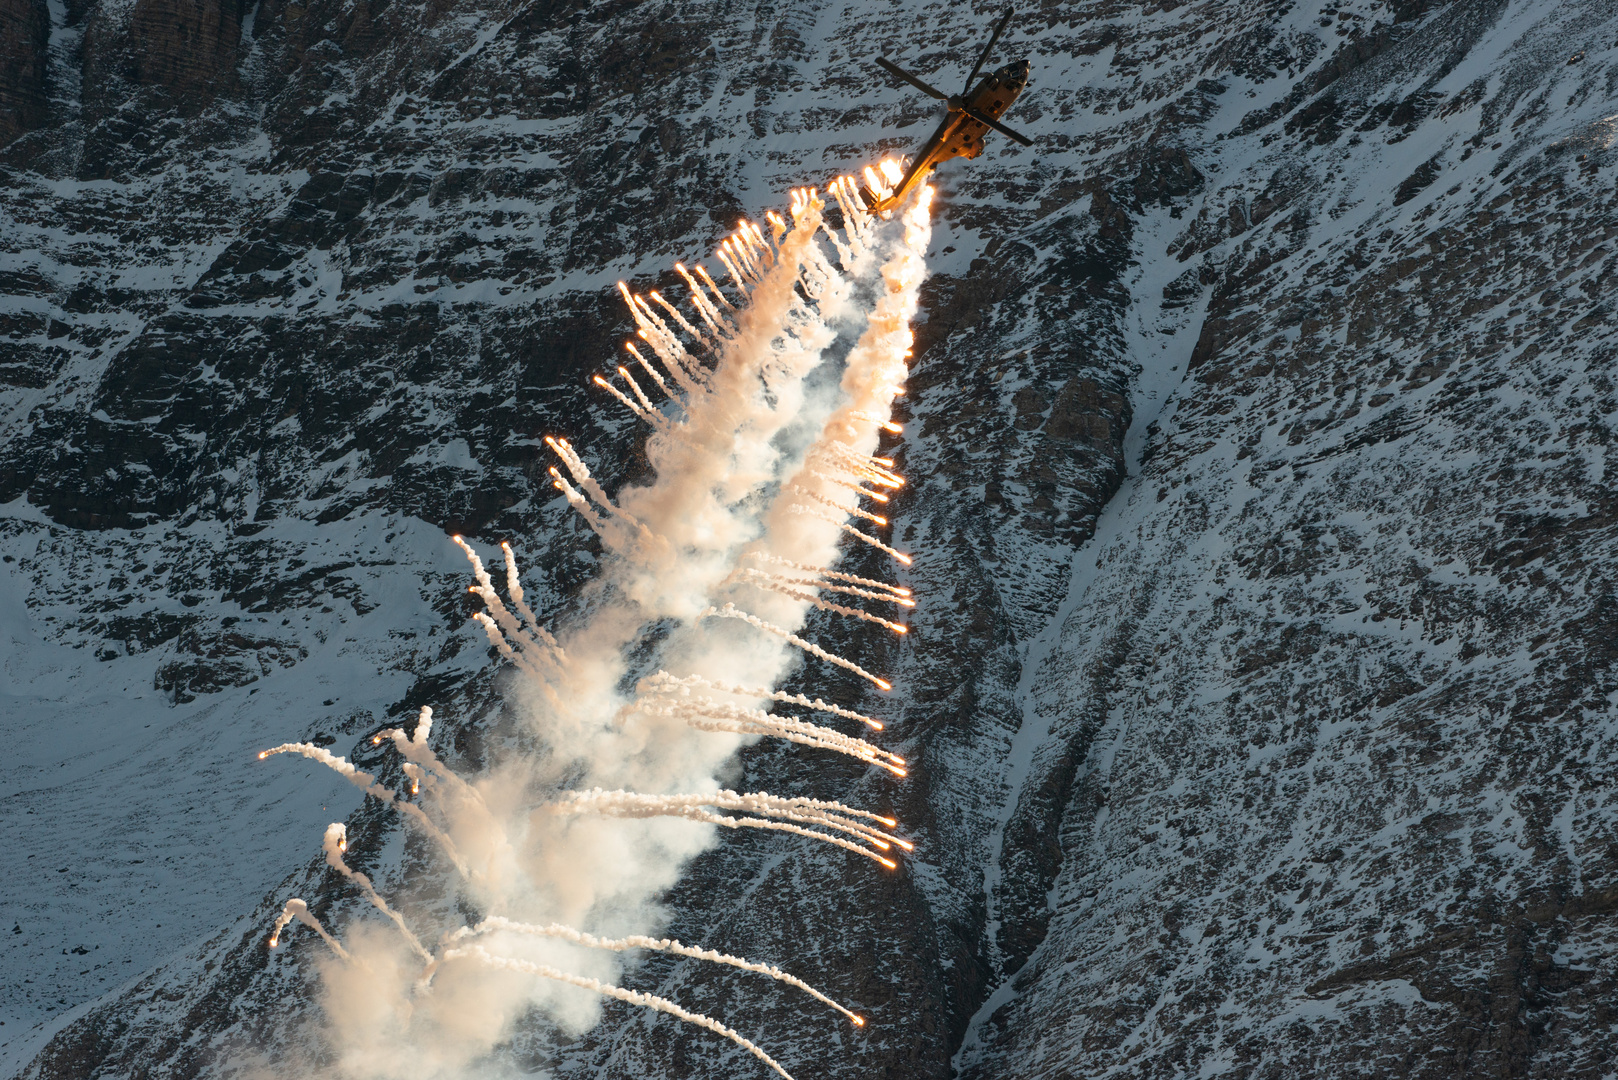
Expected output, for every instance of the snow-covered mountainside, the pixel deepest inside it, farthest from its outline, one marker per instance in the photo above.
(1261, 691)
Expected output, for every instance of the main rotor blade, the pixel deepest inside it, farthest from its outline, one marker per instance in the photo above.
(984, 118)
(888, 65)
(984, 55)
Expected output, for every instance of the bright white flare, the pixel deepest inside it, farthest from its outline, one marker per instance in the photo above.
(760, 580)
(829, 575)
(875, 519)
(824, 584)
(810, 511)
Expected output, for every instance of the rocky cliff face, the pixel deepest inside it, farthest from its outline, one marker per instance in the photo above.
(24, 33)
(1262, 689)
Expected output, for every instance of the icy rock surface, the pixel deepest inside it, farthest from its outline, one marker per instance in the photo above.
(1262, 686)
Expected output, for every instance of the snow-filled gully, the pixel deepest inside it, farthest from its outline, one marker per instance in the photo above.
(1163, 361)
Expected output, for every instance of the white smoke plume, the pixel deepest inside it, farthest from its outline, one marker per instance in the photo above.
(875, 519)
(899, 595)
(799, 508)
(822, 583)
(758, 470)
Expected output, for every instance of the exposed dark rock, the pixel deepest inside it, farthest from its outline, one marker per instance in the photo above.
(25, 27)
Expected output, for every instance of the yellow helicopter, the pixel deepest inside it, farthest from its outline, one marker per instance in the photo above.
(972, 113)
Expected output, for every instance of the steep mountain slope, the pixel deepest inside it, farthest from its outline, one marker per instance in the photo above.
(1330, 721)
(1296, 769)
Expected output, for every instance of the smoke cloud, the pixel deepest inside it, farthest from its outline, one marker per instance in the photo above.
(760, 465)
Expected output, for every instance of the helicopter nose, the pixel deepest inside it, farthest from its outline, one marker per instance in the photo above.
(1017, 72)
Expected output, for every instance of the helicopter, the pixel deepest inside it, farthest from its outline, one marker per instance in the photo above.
(972, 113)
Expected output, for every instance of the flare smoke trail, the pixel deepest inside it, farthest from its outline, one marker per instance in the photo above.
(336, 842)
(367, 783)
(663, 682)
(634, 997)
(495, 924)
(693, 808)
(731, 611)
(757, 476)
(297, 909)
(664, 696)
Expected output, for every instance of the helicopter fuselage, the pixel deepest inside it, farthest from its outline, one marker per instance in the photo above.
(960, 135)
